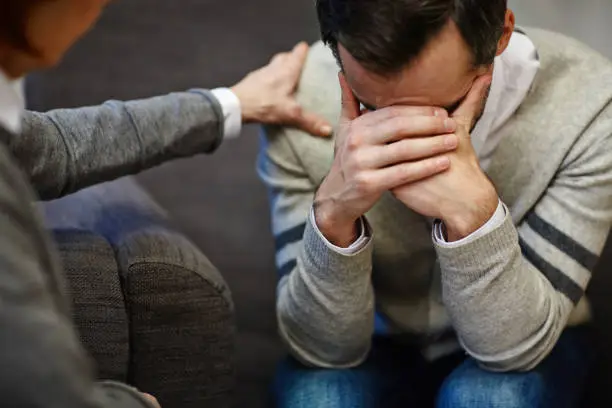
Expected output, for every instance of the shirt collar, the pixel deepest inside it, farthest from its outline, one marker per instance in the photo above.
(513, 75)
(12, 103)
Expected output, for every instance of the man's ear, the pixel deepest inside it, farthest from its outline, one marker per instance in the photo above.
(509, 24)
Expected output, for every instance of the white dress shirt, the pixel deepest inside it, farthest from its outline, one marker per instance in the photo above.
(11, 103)
(232, 112)
(513, 75)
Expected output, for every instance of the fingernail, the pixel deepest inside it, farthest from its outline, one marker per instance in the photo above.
(449, 125)
(326, 129)
(443, 162)
(451, 141)
(440, 113)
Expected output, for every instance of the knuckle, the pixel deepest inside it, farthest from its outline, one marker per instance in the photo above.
(354, 141)
(397, 152)
(397, 120)
(295, 112)
(389, 113)
(358, 161)
(398, 124)
(405, 172)
(362, 183)
(393, 111)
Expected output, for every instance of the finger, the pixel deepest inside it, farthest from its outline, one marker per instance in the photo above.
(151, 399)
(279, 58)
(466, 113)
(310, 123)
(402, 127)
(380, 115)
(350, 106)
(294, 58)
(392, 177)
(406, 150)
(294, 64)
(298, 56)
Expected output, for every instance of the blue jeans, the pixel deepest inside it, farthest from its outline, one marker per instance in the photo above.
(394, 376)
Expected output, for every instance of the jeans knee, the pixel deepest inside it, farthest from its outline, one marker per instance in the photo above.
(299, 387)
(498, 390)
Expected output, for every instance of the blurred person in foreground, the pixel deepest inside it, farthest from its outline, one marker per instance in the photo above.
(42, 363)
(438, 250)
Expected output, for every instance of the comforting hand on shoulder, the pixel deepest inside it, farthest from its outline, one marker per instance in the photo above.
(268, 94)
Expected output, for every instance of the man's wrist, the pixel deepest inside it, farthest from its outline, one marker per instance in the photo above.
(462, 223)
(339, 231)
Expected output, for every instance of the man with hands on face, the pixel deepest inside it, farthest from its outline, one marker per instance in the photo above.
(399, 150)
(438, 250)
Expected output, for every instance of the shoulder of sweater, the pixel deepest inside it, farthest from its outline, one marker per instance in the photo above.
(319, 89)
(552, 46)
(318, 92)
(566, 112)
(573, 87)
(570, 72)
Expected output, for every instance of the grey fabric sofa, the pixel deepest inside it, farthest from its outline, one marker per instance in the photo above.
(150, 308)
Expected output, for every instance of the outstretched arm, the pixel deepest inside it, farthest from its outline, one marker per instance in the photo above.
(68, 149)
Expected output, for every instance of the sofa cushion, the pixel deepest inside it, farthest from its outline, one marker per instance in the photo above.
(181, 327)
(94, 286)
(179, 309)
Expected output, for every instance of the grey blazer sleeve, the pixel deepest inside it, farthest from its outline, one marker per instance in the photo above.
(42, 364)
(65, 150)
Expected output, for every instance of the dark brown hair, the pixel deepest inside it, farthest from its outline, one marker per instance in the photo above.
(13, 14)
(386, 35)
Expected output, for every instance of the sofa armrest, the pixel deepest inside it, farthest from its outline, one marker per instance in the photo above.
(179, 308)
(98, 306)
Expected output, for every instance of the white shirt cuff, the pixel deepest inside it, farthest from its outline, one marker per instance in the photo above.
(495, 221)
(232, 112)
(364, 237)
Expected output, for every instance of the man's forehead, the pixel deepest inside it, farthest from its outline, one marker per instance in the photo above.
(440, 76)
(443, 87)
(373, 96)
